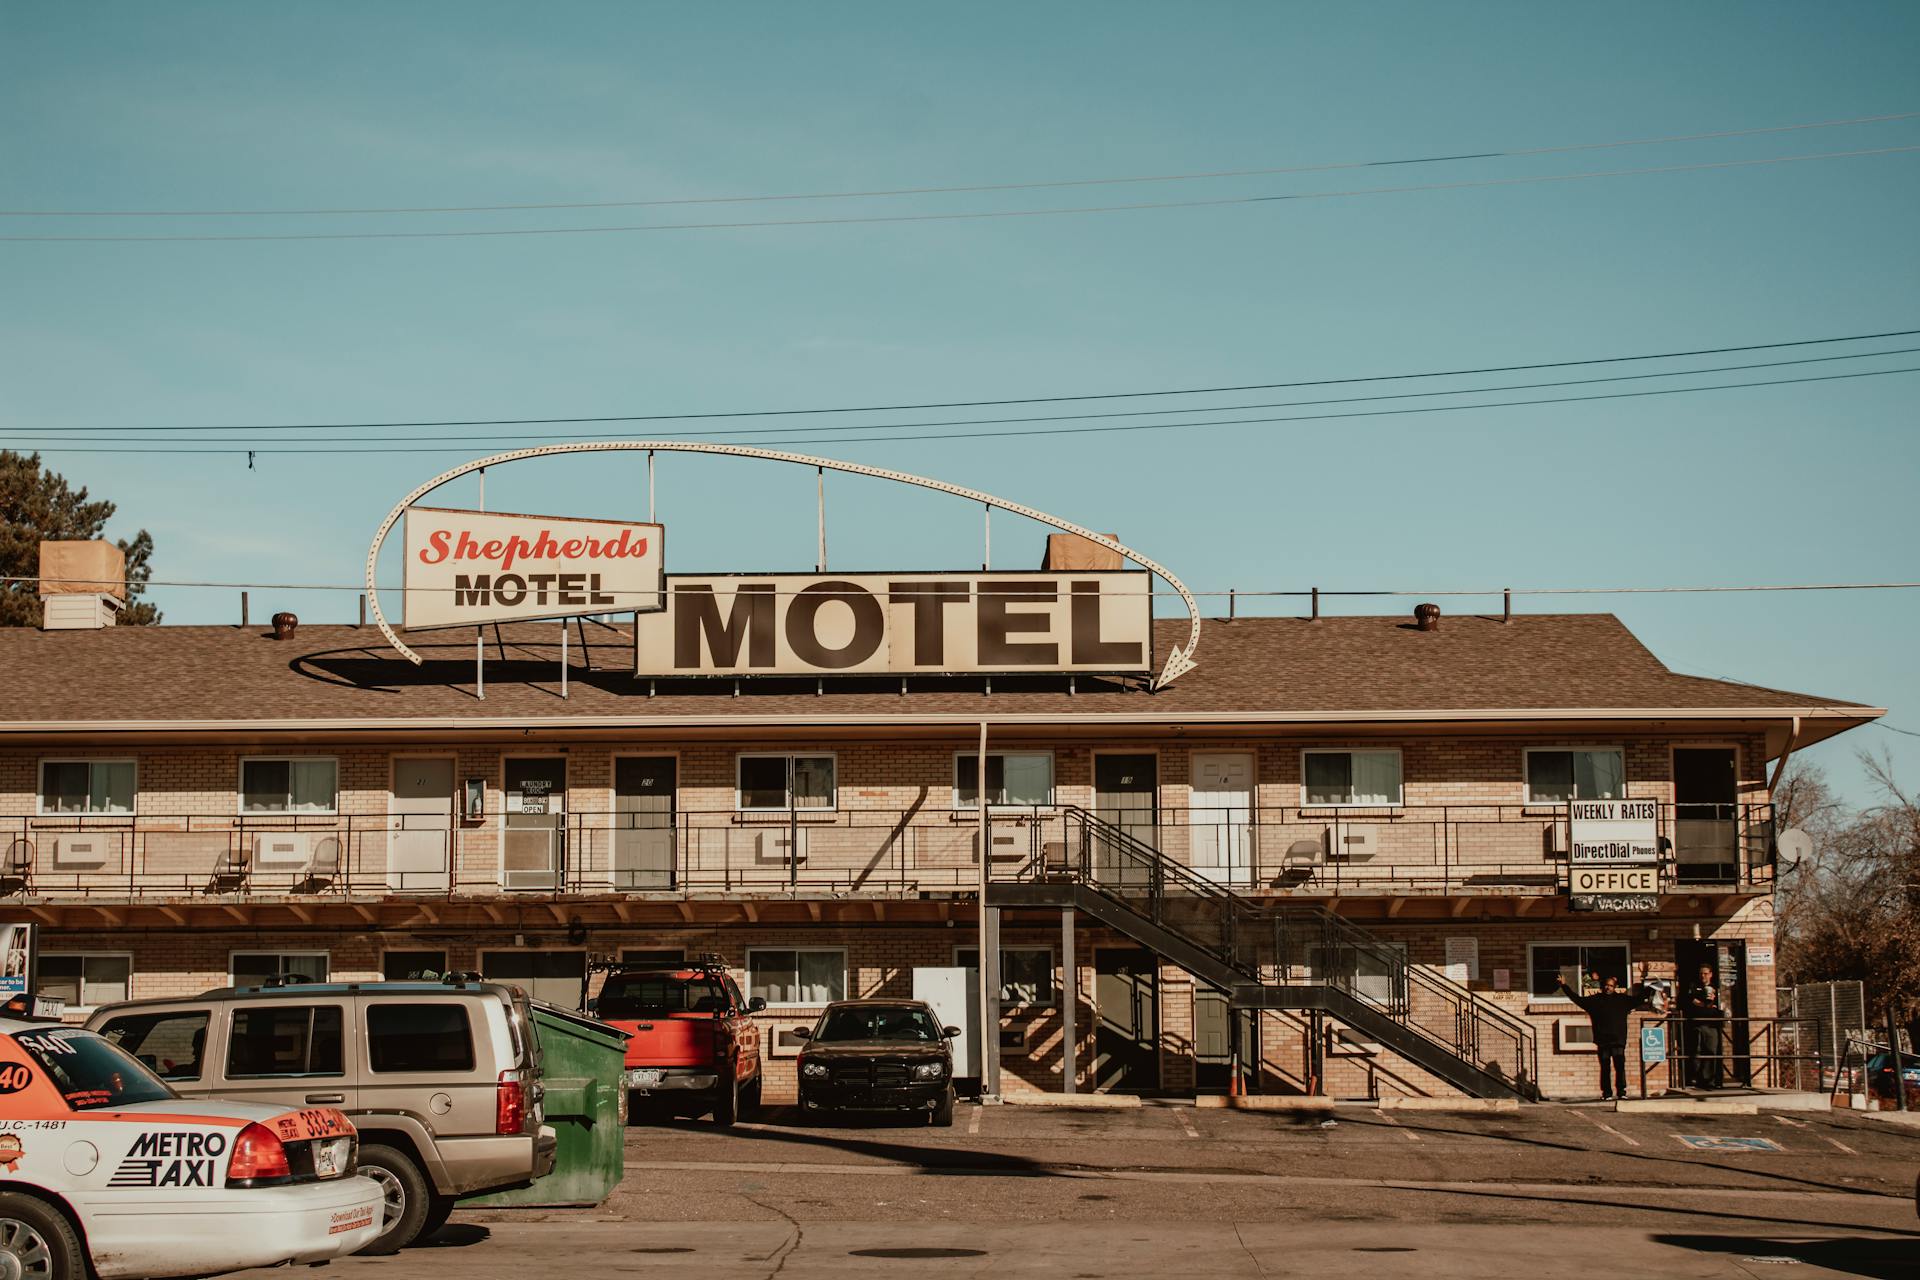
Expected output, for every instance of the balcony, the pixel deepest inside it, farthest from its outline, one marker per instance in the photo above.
(1450, 850)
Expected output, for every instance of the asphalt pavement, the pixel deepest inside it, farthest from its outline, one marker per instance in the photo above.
(1168, 1189)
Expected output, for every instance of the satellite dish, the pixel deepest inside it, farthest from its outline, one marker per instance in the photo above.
(1794, 844)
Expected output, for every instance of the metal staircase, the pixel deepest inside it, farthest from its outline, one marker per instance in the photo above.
(1284, 957)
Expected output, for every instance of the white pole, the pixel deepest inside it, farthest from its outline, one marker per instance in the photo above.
(989, 944)
(479, 665)
(986, 563)
(483, 488)
(820, 481)
(563, 657)
(650, 518)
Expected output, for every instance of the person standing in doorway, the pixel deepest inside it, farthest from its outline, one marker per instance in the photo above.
(1700, 1007)
(1607, 1010)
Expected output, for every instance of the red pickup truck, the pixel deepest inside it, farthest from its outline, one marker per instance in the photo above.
(693, 1045)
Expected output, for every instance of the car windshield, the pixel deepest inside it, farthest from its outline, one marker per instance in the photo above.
(89, 1072)
(650, 995)
(878, 1022)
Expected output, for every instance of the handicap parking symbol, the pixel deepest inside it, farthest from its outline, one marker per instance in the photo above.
(1705, 1142)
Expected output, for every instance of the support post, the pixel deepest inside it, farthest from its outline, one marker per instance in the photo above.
(483, 488)
(650, 517)
(1069, 998)
(1506, 612)
(363, 609)
(989, 941)
(986, 556)
(1316, 604)
(563, 657)
(820, 500)
(243, 610)
(479, 665)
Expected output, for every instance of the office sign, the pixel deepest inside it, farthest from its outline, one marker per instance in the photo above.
(1613, 831)
(465, 567)
(900, 624)
(1623, 879)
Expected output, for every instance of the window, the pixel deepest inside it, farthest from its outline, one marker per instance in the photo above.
(86, 786)
(647, 995)
(253, 968)
(85, 981)
(653, 958)
(89, 1072)
(301, 785)
(553, 976)
(787, 782)
(285, 1040)
(1582, 965)
(879, 1022)
(1555, 777)
(399, 966)
(1026, 973)
(419, 1037)
(1013, 778)
(798, 976)
(168, 1044)
(1370, 973)
(1351, 777)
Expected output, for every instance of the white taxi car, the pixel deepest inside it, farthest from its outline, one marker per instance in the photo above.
(101, 1162)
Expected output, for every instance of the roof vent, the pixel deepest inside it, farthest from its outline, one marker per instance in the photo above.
(284, 625)
(1426, 617)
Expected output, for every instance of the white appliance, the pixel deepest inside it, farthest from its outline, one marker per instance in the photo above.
(954, 994)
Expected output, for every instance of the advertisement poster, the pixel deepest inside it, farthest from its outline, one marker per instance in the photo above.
(16, 958)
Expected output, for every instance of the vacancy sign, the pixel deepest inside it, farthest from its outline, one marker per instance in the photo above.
(465, 567)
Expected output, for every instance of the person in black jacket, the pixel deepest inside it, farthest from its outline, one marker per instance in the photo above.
(1700, 1006)
(1607, 1009)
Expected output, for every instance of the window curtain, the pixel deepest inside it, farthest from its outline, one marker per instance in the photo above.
(1376, 777)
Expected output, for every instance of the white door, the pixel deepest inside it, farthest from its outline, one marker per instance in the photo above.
(1221, 814)
(420, 855)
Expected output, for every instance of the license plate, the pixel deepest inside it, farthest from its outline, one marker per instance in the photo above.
(644, 1078)
(330, 1157)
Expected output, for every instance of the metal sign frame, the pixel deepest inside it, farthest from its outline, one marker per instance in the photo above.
(1180, 659)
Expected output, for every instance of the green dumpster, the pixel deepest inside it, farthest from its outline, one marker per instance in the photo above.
(584, 1104)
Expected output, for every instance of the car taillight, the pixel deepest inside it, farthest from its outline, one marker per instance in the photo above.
(510, 1104)
(257, 1156)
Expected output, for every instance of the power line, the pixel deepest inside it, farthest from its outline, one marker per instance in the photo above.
(1509, 153)
(979, 215)
(455, 446)
(1056, 399)
(768, 433)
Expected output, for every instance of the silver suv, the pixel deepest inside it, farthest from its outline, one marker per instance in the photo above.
(443, 1080)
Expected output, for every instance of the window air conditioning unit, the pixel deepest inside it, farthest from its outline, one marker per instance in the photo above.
(774, 846)
(1557, 837)
(529, 861)
(1353, 843)
(282, 850)
(81, 852)
(642, 858)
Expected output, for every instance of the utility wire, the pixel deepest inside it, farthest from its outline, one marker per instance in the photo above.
(976, 216)
(991, 404)
(770, 433)
(455, 446)
(1510, 153)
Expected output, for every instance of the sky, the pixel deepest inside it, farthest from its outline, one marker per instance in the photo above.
(185, 106)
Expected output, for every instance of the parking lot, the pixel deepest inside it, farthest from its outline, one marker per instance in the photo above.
(1205, 1192)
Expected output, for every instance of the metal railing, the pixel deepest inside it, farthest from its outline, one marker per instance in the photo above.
(1289, 851)
(1753, 1053)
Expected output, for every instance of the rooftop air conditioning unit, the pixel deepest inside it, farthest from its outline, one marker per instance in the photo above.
(529, 861)
(82, 852)
(282, 850)
(1354, 843)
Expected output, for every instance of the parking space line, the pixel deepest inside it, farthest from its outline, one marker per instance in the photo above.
(1609, 1128)
(1843, 1146)
(1186, 1121)
(973, 1121)
(1410, 1134)
(1798, 1124)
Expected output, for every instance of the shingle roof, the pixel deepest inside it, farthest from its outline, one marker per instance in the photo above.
(1265, 667)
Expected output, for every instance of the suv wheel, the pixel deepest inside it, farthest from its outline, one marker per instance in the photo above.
(941, 1117)
(37, 1240)
(405, 1192)
(439, 1209)
(750, 1105)
(726, 1100)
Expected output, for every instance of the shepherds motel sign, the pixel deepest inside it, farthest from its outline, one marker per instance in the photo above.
(465, 568)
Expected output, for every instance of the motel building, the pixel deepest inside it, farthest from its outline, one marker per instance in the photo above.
(1343, 855)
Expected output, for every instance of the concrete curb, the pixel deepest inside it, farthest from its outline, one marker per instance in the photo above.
(1676, 1106)
(1267, 1102)
(1073, 1101)
(1444, 1104)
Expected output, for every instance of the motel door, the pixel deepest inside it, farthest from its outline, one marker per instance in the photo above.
(1126, 797)
(1222, 816)
(643, 822)
(1705, 815)
(420, 852)
(1126, 1037)
(1212, 1038)
(535, 820)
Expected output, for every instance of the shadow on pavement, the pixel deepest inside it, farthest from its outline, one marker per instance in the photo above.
(1670, 1210)
(781, 1125)
(1851, 1256)
(455, 1235)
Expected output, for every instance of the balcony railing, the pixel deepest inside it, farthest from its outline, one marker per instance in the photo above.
(1292, 851)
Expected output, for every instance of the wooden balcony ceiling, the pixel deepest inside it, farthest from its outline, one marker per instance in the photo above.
(339, 682)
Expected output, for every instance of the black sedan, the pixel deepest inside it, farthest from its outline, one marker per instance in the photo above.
(878, 1055)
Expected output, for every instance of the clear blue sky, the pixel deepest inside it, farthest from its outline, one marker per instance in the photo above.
(140, 106)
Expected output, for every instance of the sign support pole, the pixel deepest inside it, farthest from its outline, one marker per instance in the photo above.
(1069, 997)
(479, 665)
(820, 498)
(563, 657)
(989, 943)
